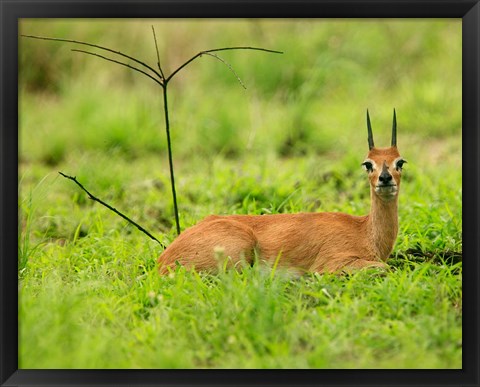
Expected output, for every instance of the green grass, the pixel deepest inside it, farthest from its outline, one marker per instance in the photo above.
(89, 292)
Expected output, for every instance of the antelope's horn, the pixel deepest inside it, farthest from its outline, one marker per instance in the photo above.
(370, 135)
(394, 129)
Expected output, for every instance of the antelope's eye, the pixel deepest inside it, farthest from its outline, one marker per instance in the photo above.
(399, 164)
(368, 166)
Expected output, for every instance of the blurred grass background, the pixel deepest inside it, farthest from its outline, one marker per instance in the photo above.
(310, 99)
(293, 141)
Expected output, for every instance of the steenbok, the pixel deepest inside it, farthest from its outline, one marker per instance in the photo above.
(311, 242)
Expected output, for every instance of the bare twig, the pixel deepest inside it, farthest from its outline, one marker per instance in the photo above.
(74, 179)
(170, 157)
(96, 46)
(215, 50)
(158, 54)
(118, 62)
(229, 66)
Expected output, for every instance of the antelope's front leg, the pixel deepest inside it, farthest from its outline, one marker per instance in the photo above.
(347, 264)
(360, 264)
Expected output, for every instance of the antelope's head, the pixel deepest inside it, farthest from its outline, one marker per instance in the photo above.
(384, 165)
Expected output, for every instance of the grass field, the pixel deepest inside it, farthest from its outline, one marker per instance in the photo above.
(89, 292)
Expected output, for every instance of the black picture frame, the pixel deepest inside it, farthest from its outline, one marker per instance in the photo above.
(12, 11)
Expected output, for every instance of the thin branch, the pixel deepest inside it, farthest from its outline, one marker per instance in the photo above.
(74, 179)
(214, 50)
(229, 66)
(170, 158)
(158, 54)
(120, 63)
(96, 46)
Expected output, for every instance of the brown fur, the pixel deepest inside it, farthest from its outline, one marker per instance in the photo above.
(315, 242)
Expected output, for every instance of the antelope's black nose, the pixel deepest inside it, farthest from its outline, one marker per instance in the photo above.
(385, 177)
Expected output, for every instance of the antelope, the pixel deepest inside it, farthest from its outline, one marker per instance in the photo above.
(307, 242)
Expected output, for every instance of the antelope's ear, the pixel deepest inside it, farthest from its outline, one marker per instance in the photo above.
(399, 164)
(368, 166)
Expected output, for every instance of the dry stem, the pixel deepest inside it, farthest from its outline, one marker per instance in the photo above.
(74, 179)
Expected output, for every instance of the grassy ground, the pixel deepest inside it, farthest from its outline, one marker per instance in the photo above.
(90, 295)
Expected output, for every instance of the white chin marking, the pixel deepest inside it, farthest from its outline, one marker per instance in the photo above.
(388, 192)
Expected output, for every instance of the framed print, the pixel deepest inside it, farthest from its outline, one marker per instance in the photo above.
(208, 193)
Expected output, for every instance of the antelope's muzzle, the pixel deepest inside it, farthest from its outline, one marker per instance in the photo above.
(385, 177)
(386, 186)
